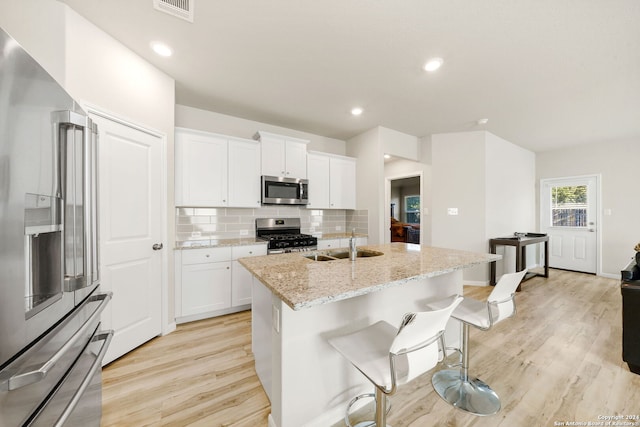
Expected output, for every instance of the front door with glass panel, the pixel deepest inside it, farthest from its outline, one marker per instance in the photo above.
(568, 214)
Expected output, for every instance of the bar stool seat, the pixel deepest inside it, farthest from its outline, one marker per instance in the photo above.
(388, 356)
(466, 392)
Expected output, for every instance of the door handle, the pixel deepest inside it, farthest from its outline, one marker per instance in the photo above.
(157, 246)
(27, 378)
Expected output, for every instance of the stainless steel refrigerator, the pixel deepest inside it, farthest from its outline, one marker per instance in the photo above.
(51, 343)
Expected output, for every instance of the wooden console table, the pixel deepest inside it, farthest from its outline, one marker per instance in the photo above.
(520, 244)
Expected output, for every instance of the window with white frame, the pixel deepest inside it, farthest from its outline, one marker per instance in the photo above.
(412, 209)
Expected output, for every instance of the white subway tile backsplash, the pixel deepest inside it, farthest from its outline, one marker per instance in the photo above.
(226, 223)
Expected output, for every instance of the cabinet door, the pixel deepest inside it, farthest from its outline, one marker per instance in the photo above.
(201, 170)
(296, 159)
(273, 158)
(240, 277)
(328, 243)
(206, 287)
(342, 178)
(318, 175)
(244, 174)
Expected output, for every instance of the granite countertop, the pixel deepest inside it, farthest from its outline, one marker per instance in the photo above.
(204, 243)
(199, 244)
(302, 283)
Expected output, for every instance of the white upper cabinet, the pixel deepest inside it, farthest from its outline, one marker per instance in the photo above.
(283, 155)
(318, 175)
(332, 181)
(201, 169)
(342, 183)
(244, 173)
(216, 170)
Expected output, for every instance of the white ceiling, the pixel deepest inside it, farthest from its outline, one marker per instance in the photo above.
(546, 73)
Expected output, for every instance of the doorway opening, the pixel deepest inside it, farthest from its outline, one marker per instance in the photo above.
(405, 206)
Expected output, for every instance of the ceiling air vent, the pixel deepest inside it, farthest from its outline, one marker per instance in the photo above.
(180, 8)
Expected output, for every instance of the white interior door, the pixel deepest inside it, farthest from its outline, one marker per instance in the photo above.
(568, 214)
(130, 211)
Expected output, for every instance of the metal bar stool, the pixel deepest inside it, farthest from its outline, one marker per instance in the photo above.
(456, 386)
(389, 356)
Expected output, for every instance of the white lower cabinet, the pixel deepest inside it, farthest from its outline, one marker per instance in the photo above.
(211, 282)
(206, 287)
(340, 243)
(240, 277)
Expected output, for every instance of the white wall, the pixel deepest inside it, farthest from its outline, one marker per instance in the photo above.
(617, 162)
(103, 72)
(367, 149)
(210, 121)
(458, 175)
(399, 144)
(39, 27)
(491, 183)
(510, 197)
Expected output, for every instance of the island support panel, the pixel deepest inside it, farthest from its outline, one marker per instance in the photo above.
(307, 381)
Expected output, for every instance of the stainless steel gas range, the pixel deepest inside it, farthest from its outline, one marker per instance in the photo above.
(283, 235)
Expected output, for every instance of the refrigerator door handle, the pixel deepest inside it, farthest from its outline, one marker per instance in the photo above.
(22, 380)
(105, 336)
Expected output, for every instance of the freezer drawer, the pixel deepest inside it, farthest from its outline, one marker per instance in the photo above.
(29, 380)
(77, 401)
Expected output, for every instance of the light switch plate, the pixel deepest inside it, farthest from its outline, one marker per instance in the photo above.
(244, 232)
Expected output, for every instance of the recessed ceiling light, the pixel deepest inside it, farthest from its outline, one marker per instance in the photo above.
(161, 49)
(433, 64)
(483, 121)
(356, 111)
(386, 156)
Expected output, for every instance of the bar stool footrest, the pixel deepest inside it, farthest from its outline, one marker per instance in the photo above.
(453, 365)
(370, 423)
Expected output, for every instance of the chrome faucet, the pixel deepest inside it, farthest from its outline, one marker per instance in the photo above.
(353, 251)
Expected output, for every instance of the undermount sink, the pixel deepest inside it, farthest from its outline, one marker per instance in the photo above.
(319, 258)
(332, 256)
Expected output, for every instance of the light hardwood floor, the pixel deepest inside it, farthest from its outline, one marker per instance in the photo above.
(558, 360)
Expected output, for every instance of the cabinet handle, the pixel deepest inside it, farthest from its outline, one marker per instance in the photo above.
(227, 267)
(250, 252)
(207, 255)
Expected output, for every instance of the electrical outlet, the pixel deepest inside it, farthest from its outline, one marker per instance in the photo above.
(244, 232)
(196, 234)
(338, 228)
(452, 211)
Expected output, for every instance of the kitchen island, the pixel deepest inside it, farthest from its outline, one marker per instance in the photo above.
(298, 303)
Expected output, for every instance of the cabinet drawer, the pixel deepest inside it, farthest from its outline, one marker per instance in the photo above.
(199, 256)
(247, 251)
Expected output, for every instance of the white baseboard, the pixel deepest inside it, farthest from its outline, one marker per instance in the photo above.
(168, 328)
(270, 422)
(207, 315)
(476, 283)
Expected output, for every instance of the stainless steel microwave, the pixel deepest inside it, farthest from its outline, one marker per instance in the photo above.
(277, 190)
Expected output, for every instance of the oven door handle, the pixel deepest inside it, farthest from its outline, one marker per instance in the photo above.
(105, 336)
(21, 380)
